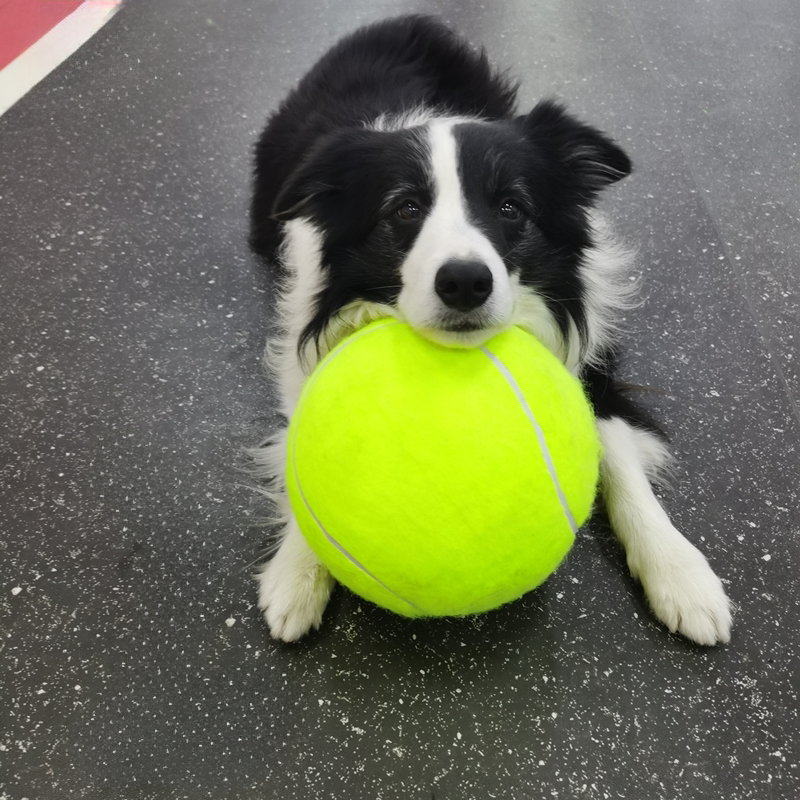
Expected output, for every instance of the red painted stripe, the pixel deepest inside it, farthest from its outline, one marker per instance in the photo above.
(23, 22)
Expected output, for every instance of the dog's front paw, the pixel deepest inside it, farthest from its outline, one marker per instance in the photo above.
(686, 595)
(293, 593)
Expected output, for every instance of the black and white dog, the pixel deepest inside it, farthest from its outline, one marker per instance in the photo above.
(397, 179)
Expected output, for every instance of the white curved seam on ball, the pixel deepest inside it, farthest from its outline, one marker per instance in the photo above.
(324, 530)
(548, 458)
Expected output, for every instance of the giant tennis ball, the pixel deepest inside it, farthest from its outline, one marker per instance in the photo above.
(440, 481)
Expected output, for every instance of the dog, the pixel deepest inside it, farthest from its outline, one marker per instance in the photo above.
(397, 179)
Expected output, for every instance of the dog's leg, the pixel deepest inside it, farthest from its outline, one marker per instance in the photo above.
(681, 587)
(293, 587)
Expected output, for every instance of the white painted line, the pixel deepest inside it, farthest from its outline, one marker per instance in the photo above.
(60, 42)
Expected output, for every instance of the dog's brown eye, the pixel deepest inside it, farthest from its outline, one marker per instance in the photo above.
(510, 210)
(408, 211)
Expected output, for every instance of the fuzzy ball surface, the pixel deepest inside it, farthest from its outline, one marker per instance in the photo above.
(439, 481)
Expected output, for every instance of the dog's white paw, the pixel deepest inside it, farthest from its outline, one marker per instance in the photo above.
(685, 593)
(293, 593)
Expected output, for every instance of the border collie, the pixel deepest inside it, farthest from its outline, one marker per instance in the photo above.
(397, 179)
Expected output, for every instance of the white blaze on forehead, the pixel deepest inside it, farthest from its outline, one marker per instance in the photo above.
(446, 235)
(444, 161)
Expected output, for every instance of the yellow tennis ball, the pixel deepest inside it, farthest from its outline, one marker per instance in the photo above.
(440, 481)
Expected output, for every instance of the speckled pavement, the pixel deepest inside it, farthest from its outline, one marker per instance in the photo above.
(134, 664)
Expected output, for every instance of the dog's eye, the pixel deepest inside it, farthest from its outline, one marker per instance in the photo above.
(408, 211)
(510, 210)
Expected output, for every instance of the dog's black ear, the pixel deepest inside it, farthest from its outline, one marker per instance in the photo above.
(327, 176)
(341, 183)
(300, 189)
(589, 155)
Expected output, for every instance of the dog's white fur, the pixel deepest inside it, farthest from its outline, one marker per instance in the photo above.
(294, 587)
(682, 589)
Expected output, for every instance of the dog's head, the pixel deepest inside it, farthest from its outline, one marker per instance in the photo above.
(465, 226)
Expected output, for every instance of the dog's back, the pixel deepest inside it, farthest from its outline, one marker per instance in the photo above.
(394, 67)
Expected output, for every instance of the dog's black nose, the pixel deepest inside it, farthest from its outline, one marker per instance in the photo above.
(463, 285)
